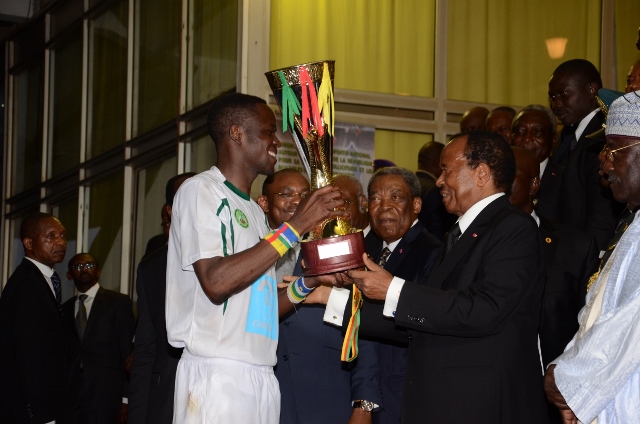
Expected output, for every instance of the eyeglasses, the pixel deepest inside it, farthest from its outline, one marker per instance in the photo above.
(288, 195)
(609, 154)
(80, 267)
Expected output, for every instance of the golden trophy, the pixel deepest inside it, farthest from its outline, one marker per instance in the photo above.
(305, 96)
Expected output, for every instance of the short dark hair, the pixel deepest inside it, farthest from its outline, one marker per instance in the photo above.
(511, 111)
(73, 258)
(31, 224)
(581, 70)
(410, 179)
(169, 192)
(229, 109)
(269, 180)
(494, 151)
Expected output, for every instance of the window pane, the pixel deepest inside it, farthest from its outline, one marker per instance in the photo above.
(378, 45)
(104, 199)
(150, 189)
(213, 52)
(201, 154)
(626, 16)
(108, 80)
(400, 147)
(26, 155)
(497, 51)
(67, 213)
(66, 106)
(157, 61)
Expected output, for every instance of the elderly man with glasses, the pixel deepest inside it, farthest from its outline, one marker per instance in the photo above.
(597, 378)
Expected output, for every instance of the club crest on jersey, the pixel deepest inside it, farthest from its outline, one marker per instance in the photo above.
(241, 218)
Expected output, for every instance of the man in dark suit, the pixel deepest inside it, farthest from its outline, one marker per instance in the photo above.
(400, 243)
(153, 370)
(570, 258)
(571, 192)
(102, 325)
(309, 350)
(473, 349)
(34, 359)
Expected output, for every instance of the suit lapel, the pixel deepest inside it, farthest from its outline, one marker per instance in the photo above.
(403, 248)
(373, 245)
(468, 239)
(45, 286)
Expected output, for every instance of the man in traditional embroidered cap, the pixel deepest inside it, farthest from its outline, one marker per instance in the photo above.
(598, 377)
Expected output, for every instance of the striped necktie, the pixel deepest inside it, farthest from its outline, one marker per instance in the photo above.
(57, 289)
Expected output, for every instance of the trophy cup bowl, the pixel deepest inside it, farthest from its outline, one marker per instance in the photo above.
(304, 94)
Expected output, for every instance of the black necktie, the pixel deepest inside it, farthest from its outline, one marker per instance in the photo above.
(384, 256)
(57, 289)
(81, 316)
(568, 142)
(452, 237)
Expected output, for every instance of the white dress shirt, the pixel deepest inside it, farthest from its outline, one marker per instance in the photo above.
(88, 302)
(583, 124)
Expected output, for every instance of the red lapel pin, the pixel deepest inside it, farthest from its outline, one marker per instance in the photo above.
(474, 235)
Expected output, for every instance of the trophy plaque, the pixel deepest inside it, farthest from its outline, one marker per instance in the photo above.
(305, 96)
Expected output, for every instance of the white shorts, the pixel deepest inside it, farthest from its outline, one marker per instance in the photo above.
(221, 391)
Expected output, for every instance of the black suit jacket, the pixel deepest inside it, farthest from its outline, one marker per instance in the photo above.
(101, 355)
(34, 358)
(571, 193)
(571, 258)
(473, 324)
(153, 371)
(411, 259)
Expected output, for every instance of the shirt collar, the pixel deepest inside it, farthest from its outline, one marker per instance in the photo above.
(91, 293)
(44, 269)
(543, 166)
(535, 216)
(583, 124)
(471, 214)
(393, 244)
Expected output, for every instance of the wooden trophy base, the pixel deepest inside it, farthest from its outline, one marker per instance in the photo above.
(333, 254)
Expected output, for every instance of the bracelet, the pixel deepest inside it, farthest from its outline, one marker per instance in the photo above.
(283, 239)
(297, 291)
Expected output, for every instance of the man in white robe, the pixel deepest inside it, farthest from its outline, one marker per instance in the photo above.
(597, 378)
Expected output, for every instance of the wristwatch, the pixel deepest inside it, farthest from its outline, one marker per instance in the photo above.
(365, 405)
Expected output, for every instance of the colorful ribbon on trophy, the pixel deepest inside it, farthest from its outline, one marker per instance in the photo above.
(290, 104)
(325, 98)
(350, 344)
(309, 104)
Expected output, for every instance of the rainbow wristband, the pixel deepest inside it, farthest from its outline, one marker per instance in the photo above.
(283, 239)
(297, 291)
